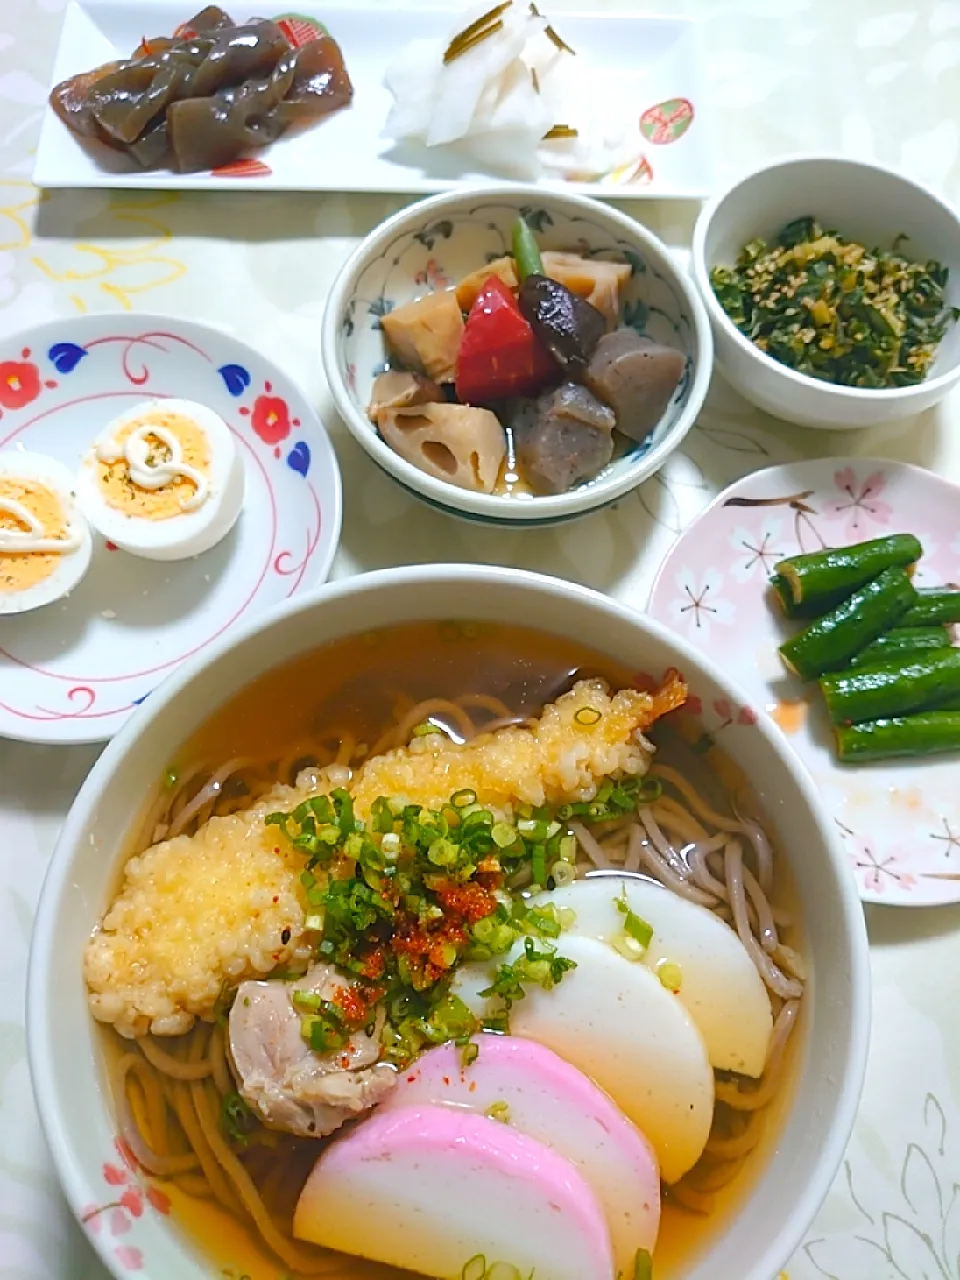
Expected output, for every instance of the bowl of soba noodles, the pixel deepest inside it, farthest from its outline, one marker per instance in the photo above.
(452, 922)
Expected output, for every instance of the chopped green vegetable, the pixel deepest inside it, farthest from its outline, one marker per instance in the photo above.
(670, 975)
(544, 968)
(323, 1025)
(498, 1111)
(223, 1004)
(926, 733)
(831, 309)
(170, 778)
(935, 606)
(893, 688)
(539, 866)
(643, 1265)
(236, 1119)
(829, 643)
(587, 716)
(635, 927)
(469, 1053)
(838, 571)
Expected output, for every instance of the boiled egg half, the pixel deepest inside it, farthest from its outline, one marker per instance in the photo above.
(45, 543)
(163, 481)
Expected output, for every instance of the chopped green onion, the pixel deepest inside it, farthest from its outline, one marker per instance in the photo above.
(171, 778)
(469, 1054)
(588, 716)
(314, 922)
(545, 968)
(308, 1001)
(628, 947)
(643, 1265)
(460, 799)
(236, 1119)
(424, 730)
(498, 1111)
(670, 975)
(443, 853)
(635, 926)
(544, 920)
(563, 874)
(503, 835)
(538, 862)
(533, 828)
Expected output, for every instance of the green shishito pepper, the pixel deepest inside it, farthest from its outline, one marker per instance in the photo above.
(927, 733)
(829, 643)
(835, 572)
(935, 606)
(893, 688)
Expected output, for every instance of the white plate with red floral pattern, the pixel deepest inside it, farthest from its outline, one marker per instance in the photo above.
(75, 670)
(899, 820)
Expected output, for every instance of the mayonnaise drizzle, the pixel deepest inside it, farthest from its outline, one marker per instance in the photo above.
(31, 540)
(156, 473)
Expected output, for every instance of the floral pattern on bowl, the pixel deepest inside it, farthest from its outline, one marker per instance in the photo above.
(448, 243)
(899, 820)
(131, 1194)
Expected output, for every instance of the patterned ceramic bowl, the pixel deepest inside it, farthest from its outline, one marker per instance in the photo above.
(126, 1214)
(436, 242)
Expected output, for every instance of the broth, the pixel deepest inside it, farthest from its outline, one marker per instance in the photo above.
(357, 687)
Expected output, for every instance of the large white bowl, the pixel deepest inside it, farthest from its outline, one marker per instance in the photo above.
(805, 1147)
(863, 202)
(438, 241)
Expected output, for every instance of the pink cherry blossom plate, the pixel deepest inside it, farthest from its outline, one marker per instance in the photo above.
(899, 820)
(74, 670)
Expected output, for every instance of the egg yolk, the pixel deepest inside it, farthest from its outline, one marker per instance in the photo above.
(19, 571)
(164, 503)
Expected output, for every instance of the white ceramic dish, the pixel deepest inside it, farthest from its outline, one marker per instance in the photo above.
(74, 670)
(863, 202)
(657, 61)
(802, 1152)
(436, 242)
(899, 820)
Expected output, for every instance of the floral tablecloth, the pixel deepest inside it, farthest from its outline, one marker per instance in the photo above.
(866, 77)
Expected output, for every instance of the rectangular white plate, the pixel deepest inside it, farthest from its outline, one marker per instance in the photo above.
(659, 56)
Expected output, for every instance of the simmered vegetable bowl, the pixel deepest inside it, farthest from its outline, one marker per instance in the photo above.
(521, 377)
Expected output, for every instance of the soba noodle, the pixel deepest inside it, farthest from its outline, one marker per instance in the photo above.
(170, 1097)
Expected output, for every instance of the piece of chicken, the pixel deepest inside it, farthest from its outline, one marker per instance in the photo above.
(289, 1085)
